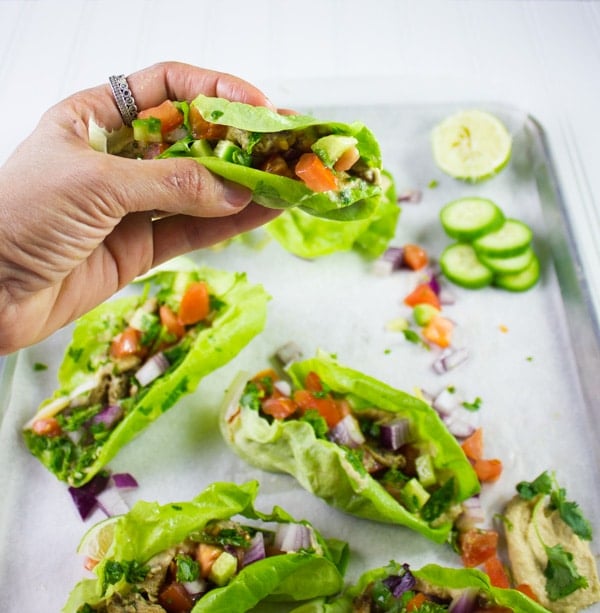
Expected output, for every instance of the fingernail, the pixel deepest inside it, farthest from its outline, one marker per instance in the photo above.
(236, 194)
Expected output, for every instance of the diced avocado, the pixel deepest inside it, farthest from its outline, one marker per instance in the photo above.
(330, 148)
(425, 470)
(414, 495)
(223, 568)
(201, 148)
(424, 313)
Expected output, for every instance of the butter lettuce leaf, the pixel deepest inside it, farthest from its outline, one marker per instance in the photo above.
(150, 528)
(329, 471)
(240, 316)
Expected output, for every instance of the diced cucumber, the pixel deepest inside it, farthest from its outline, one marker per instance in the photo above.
(147, 130)
(460, 264)
(520, 281)
(466, 219)
(425, 470)
(230, 152)
(510, 265)
(424, 313)
(201, 148)
(512, 238)
(414, 495)
(223, 568)
(331, 147)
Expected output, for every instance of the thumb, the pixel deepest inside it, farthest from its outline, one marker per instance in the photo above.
(176, 185)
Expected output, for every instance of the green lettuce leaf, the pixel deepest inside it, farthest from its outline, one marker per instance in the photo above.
(150, 528)
(326, 469)
(241, 316)
(452, 579)
(308, 236)
(357, 198)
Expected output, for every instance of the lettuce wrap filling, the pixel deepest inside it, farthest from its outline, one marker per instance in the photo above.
(310, 237)
(326, 168)
(202, 555)
(432, 589)
(366, 448)
(132, 358)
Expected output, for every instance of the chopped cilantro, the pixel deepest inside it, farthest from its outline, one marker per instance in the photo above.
(413, 337)
(38, 366)
(561, 573)
(473, 406)
(317, 421)
(188, 569)
(439, 501)
(433, 184)
(251, 397)
(215, 115)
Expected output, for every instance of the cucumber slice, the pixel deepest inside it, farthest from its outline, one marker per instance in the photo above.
(466, 219)
(471, 145)
(512, 238)
(520, 281)
(460, 264)
(510, 265)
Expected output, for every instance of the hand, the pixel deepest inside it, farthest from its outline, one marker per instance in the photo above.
(76, 225)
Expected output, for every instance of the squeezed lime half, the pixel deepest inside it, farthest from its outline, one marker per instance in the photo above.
(471, 145)
(96, 541)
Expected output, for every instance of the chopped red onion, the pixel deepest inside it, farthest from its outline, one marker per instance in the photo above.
(472, 514)
(347, 432)
(109, 416)
(85, 497)
(412, 196)
(124, 481)
(152, 368)
(394, 434)
(446, 296)
(292, 537)
(445, 403)
(450, 359)
(256, 551)
(458, 426)
(288, 353)
(283, 387)
(111, 502)
(196, 587)
(390, 261)
(398, 584)
(464, 602)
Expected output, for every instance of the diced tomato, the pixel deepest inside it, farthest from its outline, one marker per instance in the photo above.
(496, 572)
(439, 331)
(170, 116)
(423, 294)
(417, 601)
(175, 598)
(195, 304)
(276, 165)
(487, 470)
(205, 129)
(330, 409)
(279, 407)
(312, 382)
(414, 257)
(206, 555)
(525, 588)
(90, 563)
(315, 174)
(347, 159)
(170, 320)
(473, 445)
(492, 608)
(126, 344)
(46, 426)
(476, 546)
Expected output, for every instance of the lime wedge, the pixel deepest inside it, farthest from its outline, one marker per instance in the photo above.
(97, 540)
(471, 145)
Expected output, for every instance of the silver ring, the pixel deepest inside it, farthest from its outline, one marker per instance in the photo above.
(123, 98)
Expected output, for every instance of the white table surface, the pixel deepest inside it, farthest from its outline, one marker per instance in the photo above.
(542, 57)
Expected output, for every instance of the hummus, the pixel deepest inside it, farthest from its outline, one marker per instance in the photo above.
(528, 557)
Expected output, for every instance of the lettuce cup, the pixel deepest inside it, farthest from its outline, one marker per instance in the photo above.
(213, 553)
(362, 446)
(132, 358)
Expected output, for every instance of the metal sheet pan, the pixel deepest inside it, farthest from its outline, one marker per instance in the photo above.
(534, 362)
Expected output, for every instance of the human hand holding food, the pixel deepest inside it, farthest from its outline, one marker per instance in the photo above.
(77, 225)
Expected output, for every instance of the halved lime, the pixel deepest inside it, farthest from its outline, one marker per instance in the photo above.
(471, 145)
(97, 540)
